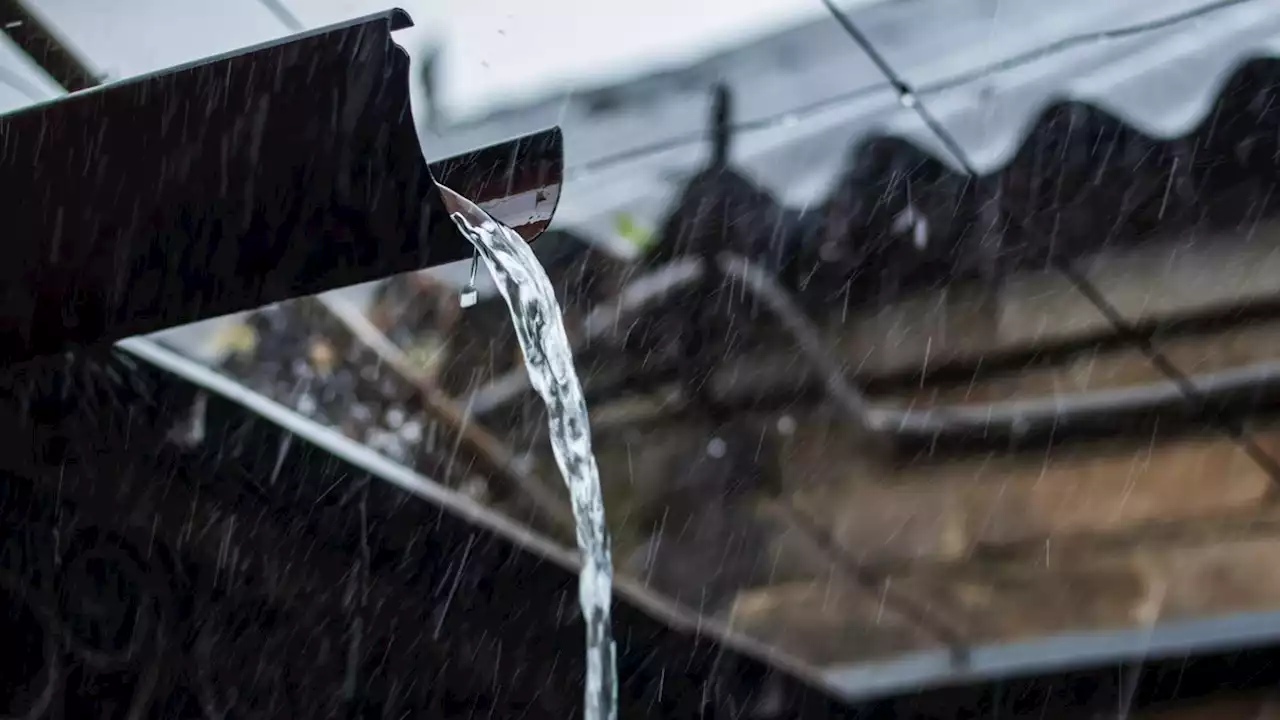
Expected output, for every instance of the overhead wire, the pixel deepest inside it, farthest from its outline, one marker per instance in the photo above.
(949, 82)
(282, 13)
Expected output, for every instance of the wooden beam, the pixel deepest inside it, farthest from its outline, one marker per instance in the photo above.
(36, 38)
(1073, 548)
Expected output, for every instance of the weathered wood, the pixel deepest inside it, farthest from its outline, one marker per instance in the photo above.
(1038, 312)
(1012, 546)
(1194, 270)
(945, 508)
(1248, 706)
(827, 621)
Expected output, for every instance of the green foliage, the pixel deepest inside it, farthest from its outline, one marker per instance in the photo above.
(625, 224)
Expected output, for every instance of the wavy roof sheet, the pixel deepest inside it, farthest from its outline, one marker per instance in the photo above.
(1156, 66)
(987, 70)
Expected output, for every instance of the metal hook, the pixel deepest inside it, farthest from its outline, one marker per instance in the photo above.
(469, 295)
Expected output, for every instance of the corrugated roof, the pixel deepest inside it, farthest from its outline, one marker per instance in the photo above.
(987, 70)
(1156, 66)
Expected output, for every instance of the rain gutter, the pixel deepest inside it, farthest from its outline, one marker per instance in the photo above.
(1055, 654)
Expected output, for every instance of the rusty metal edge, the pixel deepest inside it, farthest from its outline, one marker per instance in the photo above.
(934, 669)
(539, 153)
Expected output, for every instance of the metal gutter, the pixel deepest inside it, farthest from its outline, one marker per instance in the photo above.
(1056, 654)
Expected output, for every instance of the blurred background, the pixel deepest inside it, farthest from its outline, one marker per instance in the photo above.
(1058, 215)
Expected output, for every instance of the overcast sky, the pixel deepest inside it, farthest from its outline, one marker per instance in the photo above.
(495, 50)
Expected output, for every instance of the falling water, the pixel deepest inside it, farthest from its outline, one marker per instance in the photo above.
(536, 314)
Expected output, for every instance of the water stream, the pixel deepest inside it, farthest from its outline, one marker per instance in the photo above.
(531, 299)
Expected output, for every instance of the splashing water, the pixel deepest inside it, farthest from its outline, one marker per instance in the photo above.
(536, 314)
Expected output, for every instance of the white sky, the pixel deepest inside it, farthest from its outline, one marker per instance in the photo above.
(506, 50)
(496, 51)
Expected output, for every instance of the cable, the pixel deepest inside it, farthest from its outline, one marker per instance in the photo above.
(1072, 41)
(906, 94)
(1193, 393)
(946, 83)
(284, 15)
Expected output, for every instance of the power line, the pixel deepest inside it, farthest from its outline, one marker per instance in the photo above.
(1073, 41)
(284, 15)
(906, 94)
(946, 83)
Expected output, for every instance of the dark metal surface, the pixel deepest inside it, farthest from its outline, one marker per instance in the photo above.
(168, 552)
(229, 183)
(516, 182)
